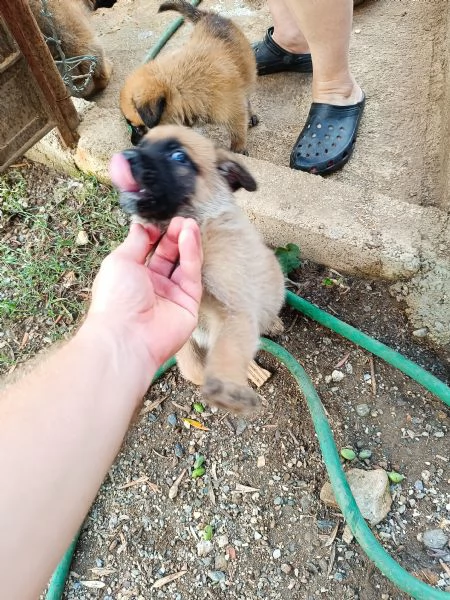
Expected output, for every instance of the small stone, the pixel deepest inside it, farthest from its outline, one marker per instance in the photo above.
(371, 491)
(367, 378)
(418, 486)
(261, 462)
(204, 547)
(179, 450)
(222, 541)
(347, 535)
(82, 238)
(257, 535)
(420, 333)
(241, 426)
(220, 562)
(278, 501)
(216, 576)
(439, 434)
(362, 410)
(286, 568)
(172, 420)
(435, 538)
(337, 376)
(276, 553)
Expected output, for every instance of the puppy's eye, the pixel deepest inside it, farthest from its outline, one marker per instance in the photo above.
(179, 156)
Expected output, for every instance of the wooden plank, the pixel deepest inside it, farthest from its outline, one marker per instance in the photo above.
(22, 25)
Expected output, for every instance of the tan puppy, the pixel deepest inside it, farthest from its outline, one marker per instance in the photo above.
(209, 80)
(175, 171)
(72, 23)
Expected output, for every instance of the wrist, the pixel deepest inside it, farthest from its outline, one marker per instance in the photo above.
(121, 342)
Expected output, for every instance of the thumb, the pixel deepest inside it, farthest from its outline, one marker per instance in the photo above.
(137, 244)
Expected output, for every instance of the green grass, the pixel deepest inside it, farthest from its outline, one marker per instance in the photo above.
(44, 274)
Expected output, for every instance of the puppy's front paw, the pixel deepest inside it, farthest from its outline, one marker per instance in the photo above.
(234, 397)
(253, 121)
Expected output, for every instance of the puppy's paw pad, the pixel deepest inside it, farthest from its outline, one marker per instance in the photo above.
(276, 327)
(234, 397)
(253, 120)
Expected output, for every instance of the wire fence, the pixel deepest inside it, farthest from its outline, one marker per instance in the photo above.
(68, 67)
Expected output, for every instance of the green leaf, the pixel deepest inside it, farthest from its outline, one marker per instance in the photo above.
(348, 454)
(396, 477)
(198, 407)
(328, 282)
(365, 454)
(199, 461)
(288, 257)
(199, 472)
(208, 533)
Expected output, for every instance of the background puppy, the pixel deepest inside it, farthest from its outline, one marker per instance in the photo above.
(175, 171)
(74, 30)
(208, 80)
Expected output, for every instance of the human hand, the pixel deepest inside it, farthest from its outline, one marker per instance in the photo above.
(155, 302)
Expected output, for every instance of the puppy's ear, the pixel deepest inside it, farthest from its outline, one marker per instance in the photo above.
(151, 112)
(234, 173)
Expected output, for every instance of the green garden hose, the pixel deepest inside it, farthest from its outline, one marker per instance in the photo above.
(397, 360)
(168, 33)
(387, 565)
(58, 581)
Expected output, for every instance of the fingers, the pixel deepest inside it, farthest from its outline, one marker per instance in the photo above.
(138, 243)
(188, 274)
(167, 252)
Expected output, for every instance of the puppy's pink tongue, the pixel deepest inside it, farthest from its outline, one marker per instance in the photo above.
(121, 176)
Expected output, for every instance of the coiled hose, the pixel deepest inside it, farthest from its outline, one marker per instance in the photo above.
(344, 497)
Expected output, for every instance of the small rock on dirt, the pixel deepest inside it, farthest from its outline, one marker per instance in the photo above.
(435, 539)
(276, 553)
(371, 492)
(172, 420)
(337, 376)
(362, 410)
(216, 576)
(222, 541)
(220, 562)
(286, 568)
(204, 547)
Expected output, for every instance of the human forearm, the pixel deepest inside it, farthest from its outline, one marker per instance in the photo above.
(61, 429)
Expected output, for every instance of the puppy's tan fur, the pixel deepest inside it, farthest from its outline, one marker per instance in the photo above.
(242, 280)
(74, 30)
(208, 80)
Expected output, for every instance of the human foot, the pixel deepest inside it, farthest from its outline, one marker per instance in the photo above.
(273, 58)
(327, 140)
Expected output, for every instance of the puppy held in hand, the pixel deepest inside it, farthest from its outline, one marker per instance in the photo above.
(209, 80)
(175, 171)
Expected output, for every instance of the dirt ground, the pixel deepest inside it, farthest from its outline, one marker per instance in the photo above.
(276, 539)
(138, 535)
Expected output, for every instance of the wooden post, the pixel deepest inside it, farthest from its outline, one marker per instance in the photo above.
(22, 25)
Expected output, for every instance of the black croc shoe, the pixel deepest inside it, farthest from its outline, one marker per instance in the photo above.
(271, 58)
(328, 138)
